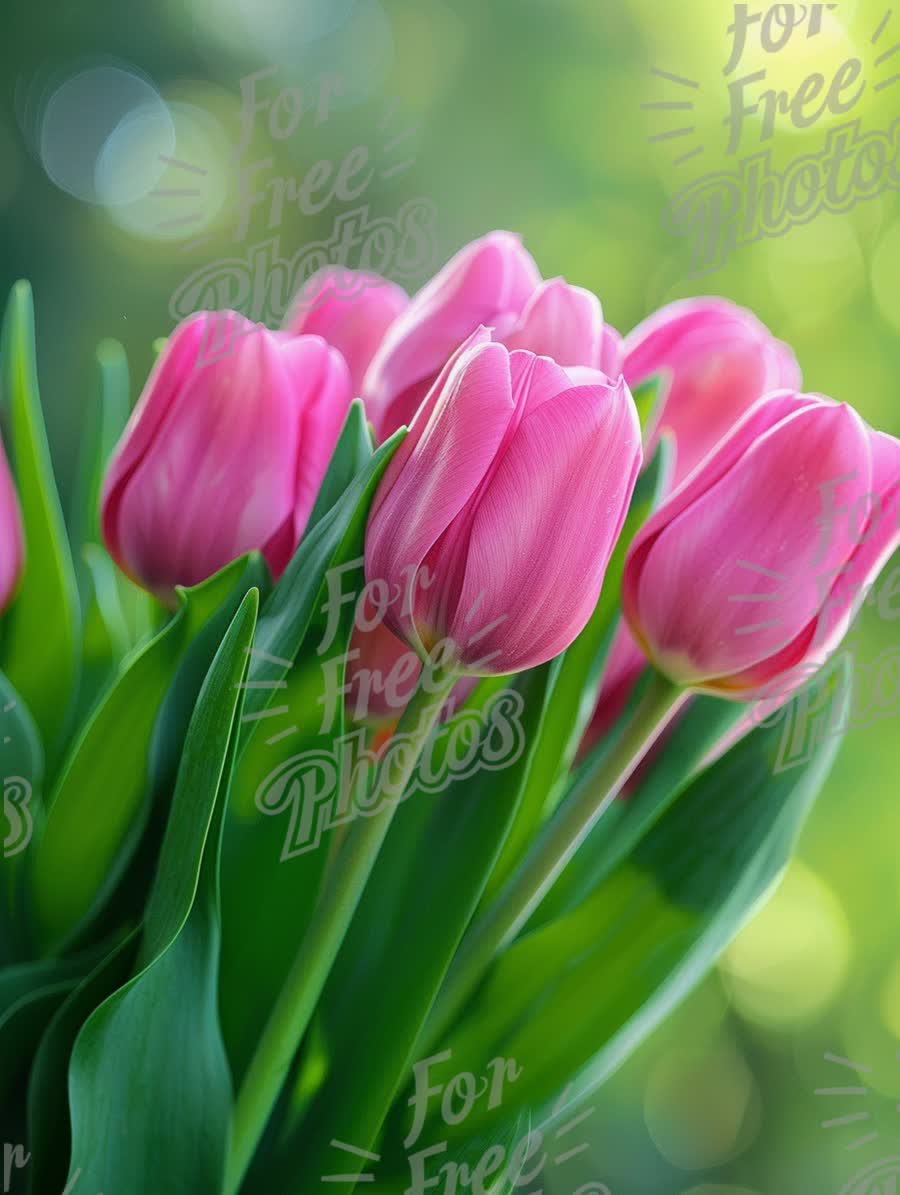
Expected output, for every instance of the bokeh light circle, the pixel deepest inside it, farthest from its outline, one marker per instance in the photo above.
(83, 131)
(791, 960)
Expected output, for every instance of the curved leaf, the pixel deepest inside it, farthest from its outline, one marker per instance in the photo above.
(99, 808)
(41, 644)
(289, 682)
(164, 1020)
(49, 1137)
(596, 981)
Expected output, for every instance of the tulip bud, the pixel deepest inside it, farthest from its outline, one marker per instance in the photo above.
(754, 568)
(224, 455)
(488, 282)
(496, 518)
(11, 540)
(716, 360)
(350, 310)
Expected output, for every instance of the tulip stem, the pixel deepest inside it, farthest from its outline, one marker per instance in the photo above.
(340, 896)
(551, 850)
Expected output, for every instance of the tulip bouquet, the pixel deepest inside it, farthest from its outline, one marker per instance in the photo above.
(379, 754)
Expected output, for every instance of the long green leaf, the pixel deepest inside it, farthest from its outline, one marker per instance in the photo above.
(30, 992)
(99, 808)
(105, 594)
(49, 1135)
(165, 1115)
(292, 627)
(41, 643)
(596, 981)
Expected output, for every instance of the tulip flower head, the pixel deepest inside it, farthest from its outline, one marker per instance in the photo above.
(498, 513)
(11, 539)
(222, 456)
(753, 568)
(716, 361)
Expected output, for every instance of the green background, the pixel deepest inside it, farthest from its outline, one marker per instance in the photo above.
(527, 115)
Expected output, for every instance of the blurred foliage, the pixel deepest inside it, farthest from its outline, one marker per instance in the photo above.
(524, 114)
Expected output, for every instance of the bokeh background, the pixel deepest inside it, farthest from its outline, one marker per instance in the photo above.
(528, 115)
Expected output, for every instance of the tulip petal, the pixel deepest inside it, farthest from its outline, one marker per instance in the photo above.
(487, 282)
(352, 311)
(453, 447)
(560, 321)
(179, 358)
(11, 541)
(423, 416)
(543, 530)
(718, 359)
(219, 480)
(612, 355)
(733, 579)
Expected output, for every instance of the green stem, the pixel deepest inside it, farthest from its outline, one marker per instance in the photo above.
(549, 853)
(312, 964)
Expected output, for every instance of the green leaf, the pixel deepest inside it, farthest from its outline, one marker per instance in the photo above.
(30, 993)
(22, 773)
(107, 634)
(596, 981)
(576, 679)
(422, 893)
(49, 1137)
(351, 453)
(41, 643)
(104, 422)
(99, 809)
(167, 1111)
(292, 627)
(649, 398)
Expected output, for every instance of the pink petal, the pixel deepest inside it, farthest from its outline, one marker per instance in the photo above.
(452, 448)
(560, 321)
(218, 478)
(11, 540)
(718, 359)
(487, 281)
(352, 312)
(541, 534)
(750, 535)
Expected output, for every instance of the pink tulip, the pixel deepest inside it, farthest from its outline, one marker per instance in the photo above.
(222, 455)
(11, 539)
(716, 360)
(351, 311)
(496, 518)
(488, 282)
(753, 569)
